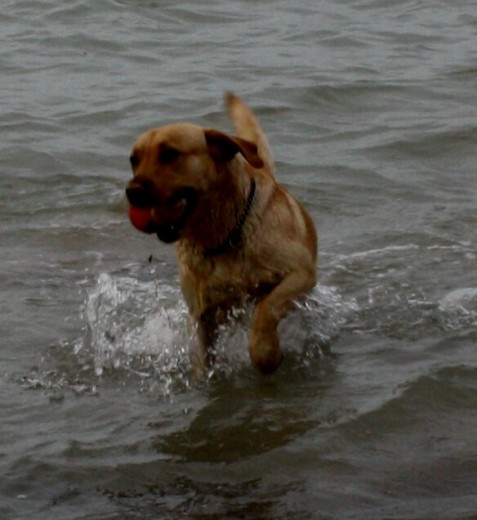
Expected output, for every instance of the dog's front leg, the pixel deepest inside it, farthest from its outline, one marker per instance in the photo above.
(202, 351)
(264, 347)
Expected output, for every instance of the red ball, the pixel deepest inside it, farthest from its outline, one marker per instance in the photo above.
(140, 217)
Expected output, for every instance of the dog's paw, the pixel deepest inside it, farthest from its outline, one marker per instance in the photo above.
(265, 352)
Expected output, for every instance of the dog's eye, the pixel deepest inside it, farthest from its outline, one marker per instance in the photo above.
(134, 160)
(167, 154)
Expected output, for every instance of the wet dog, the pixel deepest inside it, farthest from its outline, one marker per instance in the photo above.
(239, 234)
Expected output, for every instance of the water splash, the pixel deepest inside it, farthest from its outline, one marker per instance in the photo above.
(138, 326)
(143, 327)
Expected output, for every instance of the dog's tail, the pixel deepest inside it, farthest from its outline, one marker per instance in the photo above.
(247, 127)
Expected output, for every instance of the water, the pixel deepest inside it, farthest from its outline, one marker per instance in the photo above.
(371, 110)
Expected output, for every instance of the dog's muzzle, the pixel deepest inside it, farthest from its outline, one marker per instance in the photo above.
(151, 214)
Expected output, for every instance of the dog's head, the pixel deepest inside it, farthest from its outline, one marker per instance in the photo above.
(174, 167)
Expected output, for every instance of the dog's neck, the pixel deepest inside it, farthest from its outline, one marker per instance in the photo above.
(224, 213)
(234, 238)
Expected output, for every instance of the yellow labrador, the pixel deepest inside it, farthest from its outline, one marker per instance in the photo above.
(239, 234)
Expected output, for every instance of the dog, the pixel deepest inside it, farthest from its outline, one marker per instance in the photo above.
(239, 235)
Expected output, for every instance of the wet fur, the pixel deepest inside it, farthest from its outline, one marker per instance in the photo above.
(276, 261)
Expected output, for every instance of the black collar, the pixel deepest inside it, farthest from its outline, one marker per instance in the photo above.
(234, 238)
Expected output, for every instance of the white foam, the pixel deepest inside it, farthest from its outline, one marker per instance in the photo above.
(377, 252)
(458, 308)
(463, 298)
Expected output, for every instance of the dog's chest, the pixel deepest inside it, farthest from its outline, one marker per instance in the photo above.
(207, 283)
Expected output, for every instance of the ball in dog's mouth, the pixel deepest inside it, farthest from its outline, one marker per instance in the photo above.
(141, 218)
(173, 216)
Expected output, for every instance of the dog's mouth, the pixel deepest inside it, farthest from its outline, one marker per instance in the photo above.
(167, 218)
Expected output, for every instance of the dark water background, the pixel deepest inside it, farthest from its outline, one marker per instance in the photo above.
(371, 109)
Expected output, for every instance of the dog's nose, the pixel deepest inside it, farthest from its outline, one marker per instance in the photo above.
(139, 193)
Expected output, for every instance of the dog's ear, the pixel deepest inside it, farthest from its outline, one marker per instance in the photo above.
(224, 147)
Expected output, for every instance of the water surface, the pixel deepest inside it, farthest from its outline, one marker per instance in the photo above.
(371, 110)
